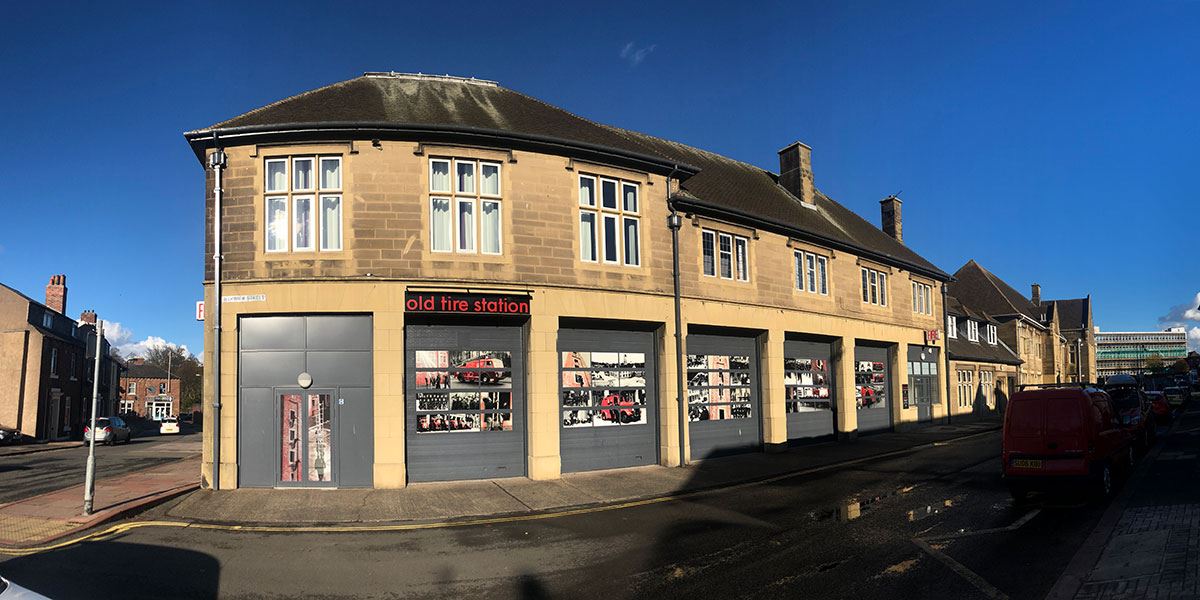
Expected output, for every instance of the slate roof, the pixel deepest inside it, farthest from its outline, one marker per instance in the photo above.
(148, 371)
(430, 105)
(979, 288)
(1072, 313)
(961, 348)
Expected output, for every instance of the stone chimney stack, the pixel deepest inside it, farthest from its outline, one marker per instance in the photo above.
(889, 208)
(56, 293)
(795, 172)
(1036, 296)
(88, 316)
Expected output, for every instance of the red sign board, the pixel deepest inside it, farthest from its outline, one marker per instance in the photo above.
(465, 304)
(932, 336)
(199, 310)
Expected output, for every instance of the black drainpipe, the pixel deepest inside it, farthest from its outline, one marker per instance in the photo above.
(217, 161)
(946, 346)
(674, 222)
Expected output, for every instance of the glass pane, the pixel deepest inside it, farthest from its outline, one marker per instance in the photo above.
(866, 298)
(709, 251)
(631, 242)
(587, 236)
(302, 174)
(726, 256)
(439, 176)
(320, 438)
(489, 234)
(743, 273)
(331, 222)
(489, 176)
(629, 193)
(290, 447)
(821, 276)
(277, 225)
(302, 224)
(610, 239)
(466, 177)
(587, 191)
(466, 225)
(276, 176)
(440, 223)
(608, 194)
(331, 173)
(882, 289)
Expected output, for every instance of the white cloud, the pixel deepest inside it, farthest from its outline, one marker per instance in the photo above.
(122, 339)
(634, 55)
(1194, 339)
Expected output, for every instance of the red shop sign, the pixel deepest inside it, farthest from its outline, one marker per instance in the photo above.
(465, 304)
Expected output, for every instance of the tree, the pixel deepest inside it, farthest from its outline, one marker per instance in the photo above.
(1180, 367)
(184, 366)
(1154, 363)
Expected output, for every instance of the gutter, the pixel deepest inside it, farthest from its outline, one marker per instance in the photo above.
(217, 162)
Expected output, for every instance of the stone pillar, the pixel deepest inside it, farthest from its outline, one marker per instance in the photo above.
(391, 402)
(542, 389)
(668, 406)
(898, 359)
(774, 395)
(844, 387)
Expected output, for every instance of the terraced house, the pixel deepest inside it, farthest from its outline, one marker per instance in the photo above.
(435, 278)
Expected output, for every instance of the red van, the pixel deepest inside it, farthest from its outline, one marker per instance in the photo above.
(1060, 436)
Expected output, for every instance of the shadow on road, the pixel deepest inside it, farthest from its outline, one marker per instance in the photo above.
(145, 571)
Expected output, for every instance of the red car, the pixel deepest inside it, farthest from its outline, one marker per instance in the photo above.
(1159, 406)
(628, 413)
(482, 376)
(1059, 437)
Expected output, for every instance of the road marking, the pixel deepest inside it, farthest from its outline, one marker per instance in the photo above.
(1027, 517)
(972, 577)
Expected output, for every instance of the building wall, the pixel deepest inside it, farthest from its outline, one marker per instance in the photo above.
(148, 388)
(1000, 372)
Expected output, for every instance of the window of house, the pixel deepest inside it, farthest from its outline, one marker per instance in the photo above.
(465, 212)
(54, 362)
(609, 226)
(966, 388)
(973, 330)
(725, 255)
(812, 272)
(874, 287)
(303, 211)
(991, 334)
(951, 326)
(132, 387)
(74, 372)
(48, 320)
(922, 296)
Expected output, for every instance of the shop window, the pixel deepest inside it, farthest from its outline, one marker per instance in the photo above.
(609, 226)
(874, 287)
(806, 381)
(811, 272)
(298, 219)
(922, 298)
(602, 389)
(725, 255)
(718, 387)
(465, 207)
(463, 391)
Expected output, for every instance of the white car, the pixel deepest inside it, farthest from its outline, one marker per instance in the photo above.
(12, 591)
(168, 426)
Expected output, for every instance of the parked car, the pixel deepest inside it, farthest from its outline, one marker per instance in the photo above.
(8, 435)
(1175, 395)
(12, 591)
(168, 426)
(1133, 408)
(1059, 437)
(110, 430)
(1160, 407)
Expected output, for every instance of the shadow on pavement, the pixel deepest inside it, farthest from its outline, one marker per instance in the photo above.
(117, 570)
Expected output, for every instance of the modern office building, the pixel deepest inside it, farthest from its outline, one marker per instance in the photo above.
(1131, 352)
(437, 278)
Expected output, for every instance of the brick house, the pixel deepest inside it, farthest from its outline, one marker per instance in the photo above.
(45, 374)
(149, 391)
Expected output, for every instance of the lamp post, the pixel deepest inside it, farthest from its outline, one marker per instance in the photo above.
(89, 484)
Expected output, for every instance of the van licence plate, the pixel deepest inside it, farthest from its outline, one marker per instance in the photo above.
(1027, 463)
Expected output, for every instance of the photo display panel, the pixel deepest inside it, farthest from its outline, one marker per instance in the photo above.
(719, 387)
(870, 378)
(463, 391)
(807, 381)
(603, 389)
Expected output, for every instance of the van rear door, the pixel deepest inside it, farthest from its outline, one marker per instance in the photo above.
(1045, 424)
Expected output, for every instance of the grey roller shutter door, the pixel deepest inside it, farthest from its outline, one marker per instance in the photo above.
(721, 368)
(872, 378)
(809, 390)
(469, 450)
(608, 396)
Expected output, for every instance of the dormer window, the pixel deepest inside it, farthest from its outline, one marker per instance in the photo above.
(951, 326)
(973, 331)
(991, 334)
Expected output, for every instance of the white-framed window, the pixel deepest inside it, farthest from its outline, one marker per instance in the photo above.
(725, 255)
(48, 320)
(991, 334)
(973, 330)
(132, 387)
(302, 204)
(922, 296)
(610, 228)
(54, 363)
(874, 287)
(812, 272)
(127, 406)
(465, 206)
(951, 326)
(966, 388)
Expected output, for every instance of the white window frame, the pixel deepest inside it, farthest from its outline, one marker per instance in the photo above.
(605, 219)
(595, 247)
(637, 197)
(625, 220)
(323, 225)
(739, 255)
(721, 239)
(499, 179)
(475, 197)
(451, 218)
(499, 224)
(922, 298)
(741, 258)
(708, 234)
(617, 215)
(595, 191)
(287, 173)
(450, 175)
(287, 220)
(991, 334)
(458, 236)
(812, 272)
(312, 223)
(315, 193)
(874, 287)
(312, 174)
(474, 178)
(321, 173)
(973, 330)
(133, 387)
(952, 326)
(616, 194)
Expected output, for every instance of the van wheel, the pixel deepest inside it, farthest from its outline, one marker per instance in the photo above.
(1104, 481)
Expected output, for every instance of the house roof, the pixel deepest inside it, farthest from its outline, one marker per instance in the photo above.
(435, 107)
(978, 288)
(1072, 313)
(956, 307)
(148, 371)
(960, 348)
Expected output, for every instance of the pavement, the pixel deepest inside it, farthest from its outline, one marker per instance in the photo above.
(431, 502)
(34, 447)
(1147, 545)
(129, 478)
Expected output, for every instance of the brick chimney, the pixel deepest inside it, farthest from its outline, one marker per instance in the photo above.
(88, 316)
(56, 293)
(136, 360)
(889, 208)
(795, 172)
(1036, 294)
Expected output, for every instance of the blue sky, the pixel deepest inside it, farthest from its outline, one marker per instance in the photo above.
(1052, 142)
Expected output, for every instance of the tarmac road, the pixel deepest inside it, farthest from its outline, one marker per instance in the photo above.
(843, 534)
(25, 475)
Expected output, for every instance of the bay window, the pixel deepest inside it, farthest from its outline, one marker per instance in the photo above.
(295, 217)
(615, 213)
(465, 206)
